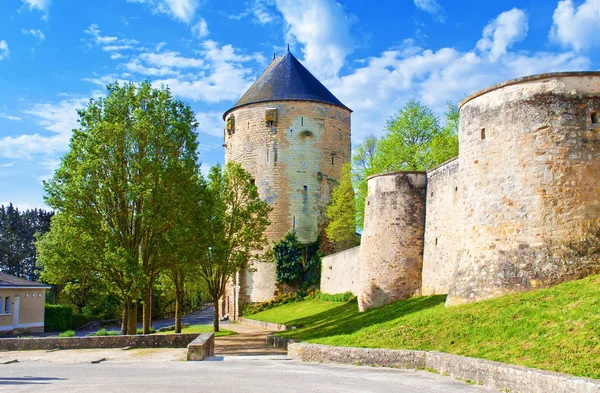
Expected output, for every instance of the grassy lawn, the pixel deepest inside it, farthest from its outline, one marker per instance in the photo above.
(554, 329)
(202, 329)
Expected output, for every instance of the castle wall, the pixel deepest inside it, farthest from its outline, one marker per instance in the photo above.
(529, 166)
(295, 162)
(339, 272)
(391, 251)
(443, 232)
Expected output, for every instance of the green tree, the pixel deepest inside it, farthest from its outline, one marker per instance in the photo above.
(296, 265)
(413, 141)
(17, 236)
(235, 229)
(444, 146)
(341, 212)
(362, 167)
(130, 162)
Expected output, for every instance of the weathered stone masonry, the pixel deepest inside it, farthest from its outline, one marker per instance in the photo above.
(499, 218)
(293, 137)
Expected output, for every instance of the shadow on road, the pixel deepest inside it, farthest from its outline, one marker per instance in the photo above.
(29, 380)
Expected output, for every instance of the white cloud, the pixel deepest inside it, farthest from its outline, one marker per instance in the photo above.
(182, 10)
(323, 28)
(9, 117)
(171, 59)
(4, 52)
(432, 7)
(210, 123)
(499, 35)
(577, 28)
(35, 33)
(260, 11)
(109, 43)
(7, 165)
(58, 118)
(42, 5)
(200, 29)
(386, 82)
(222, 74)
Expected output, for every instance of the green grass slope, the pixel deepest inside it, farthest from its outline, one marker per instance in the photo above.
(555, 329)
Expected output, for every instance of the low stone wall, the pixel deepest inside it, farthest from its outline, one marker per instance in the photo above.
(495, 375)
(279, 342)
(278, 327)
(90, 342)
(358, 356)
(340, 272)
(202, 347)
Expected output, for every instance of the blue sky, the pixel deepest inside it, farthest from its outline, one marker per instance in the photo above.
(373, 55)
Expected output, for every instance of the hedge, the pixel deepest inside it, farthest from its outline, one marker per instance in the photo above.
(78, 320)
(57, 318)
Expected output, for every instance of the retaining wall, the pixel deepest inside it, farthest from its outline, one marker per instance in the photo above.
(339, 272)
(495, 375)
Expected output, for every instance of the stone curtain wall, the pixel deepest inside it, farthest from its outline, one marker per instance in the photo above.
(296, 161)
(443, 229)
(339, 272)
(391, 252)
(530, 178)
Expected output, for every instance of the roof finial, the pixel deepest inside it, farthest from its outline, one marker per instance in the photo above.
(273, 56)
(288, 48)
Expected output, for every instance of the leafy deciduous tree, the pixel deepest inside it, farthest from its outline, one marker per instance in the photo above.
(236, 226)
(341, 212)
(130, 161)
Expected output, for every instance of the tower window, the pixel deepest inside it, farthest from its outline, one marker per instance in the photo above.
(482, 133)
(305, 188)
(267, 154)
(436, 241)
(294, 222)
(594, 117)
(302, 121)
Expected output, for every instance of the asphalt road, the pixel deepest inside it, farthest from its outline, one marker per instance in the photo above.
(229, 374)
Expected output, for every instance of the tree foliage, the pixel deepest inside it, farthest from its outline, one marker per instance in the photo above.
(234, 229)
(296, 265)
(17, 236)
(341, 212)
(122, 184)
(413, 141)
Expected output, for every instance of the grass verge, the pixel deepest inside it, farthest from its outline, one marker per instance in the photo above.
(202, 329)
(555, 329)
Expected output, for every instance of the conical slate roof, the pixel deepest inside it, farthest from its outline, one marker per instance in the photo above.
(286, 79)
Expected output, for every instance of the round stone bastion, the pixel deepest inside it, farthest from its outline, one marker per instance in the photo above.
(529, 166)
(391, 251)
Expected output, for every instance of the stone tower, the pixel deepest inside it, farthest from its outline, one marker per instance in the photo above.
(391, 249)
(529, 166)
(293, 136)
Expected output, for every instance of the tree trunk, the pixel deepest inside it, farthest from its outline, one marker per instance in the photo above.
(125, 318)
(178, 305)
(216, 315)
(147, 310)
(132, 318)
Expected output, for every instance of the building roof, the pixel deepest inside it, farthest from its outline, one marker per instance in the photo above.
(286, 79)
(7, 281)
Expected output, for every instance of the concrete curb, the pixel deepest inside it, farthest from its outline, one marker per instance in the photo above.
(495, 375)
(266, 325)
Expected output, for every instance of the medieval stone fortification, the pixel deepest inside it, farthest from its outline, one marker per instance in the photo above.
(501, 218)
(293, 136)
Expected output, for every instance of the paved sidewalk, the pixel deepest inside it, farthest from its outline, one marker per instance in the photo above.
(249, 341)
